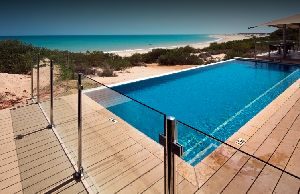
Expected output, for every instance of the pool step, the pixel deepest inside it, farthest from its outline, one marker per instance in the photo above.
(107, 97)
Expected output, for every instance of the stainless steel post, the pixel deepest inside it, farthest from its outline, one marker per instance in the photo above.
(269, 51)
(38, 80)
(284, 41)
(298, 38)
(32, 69)
(254, 47)
(170, 172)
(79, 163)
(171, 148)
(51, 93)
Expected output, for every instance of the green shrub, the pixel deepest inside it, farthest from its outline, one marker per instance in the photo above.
(179, 56)
(117, 63)
(136, 59)
(66, 72)
(188, 49)
(152, 56)
(162, 55)
(106, 72)
(15, 57)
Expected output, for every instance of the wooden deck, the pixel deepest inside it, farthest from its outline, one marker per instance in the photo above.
(32, 160)
(117, 158)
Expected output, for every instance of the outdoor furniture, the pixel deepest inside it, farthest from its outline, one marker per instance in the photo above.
(289, 46)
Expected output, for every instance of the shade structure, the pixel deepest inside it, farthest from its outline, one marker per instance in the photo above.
(290, 22)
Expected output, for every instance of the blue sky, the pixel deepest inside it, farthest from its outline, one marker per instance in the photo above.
(37, 17)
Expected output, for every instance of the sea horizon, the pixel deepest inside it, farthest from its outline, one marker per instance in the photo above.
(111, 43)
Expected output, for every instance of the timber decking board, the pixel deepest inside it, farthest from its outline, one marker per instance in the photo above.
(36, 162)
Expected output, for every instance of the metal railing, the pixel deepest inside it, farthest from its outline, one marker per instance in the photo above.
(32, 77)
(38, 80)
(169, 139)
(78, 174)
(51, 93)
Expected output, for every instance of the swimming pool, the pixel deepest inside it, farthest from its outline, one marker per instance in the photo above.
(217, 99)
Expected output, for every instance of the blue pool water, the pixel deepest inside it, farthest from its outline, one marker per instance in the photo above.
(217, 100)
(82, 43)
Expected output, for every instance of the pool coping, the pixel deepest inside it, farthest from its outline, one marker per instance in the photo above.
(169, 73)
(179, 71)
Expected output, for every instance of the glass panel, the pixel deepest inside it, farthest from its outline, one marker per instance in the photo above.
(235, 121)
(198, 143)
(209, 165)
(120, 136)
(34, 69)
(117, 150)
(136, 114)
(65, 117)
(44, 77)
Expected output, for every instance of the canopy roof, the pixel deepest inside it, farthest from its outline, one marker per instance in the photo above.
(291, 22)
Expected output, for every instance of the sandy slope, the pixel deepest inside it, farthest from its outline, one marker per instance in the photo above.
(16, 88)
(139, 72)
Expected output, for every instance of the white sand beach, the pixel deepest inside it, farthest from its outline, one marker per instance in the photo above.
(220, 38)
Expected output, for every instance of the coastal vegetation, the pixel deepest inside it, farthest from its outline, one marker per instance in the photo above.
(15, 57)
(178, 56)
(18, 58)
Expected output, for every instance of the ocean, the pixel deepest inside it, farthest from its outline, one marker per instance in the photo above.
(110, 43)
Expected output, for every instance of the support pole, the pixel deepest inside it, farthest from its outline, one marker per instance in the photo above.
(171, 134)
(164, 143)
(78, 174)
(284, 41)
(254, 47)
(51, 94)
(299, 38)
(32, 69)
(38, 80)
(171, 148)
(269, 49)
